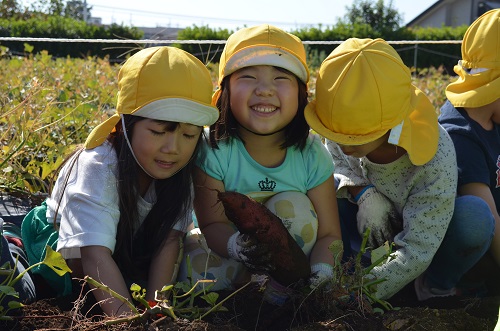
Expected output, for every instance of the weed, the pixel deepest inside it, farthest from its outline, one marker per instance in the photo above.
(187, 299)
(353, 285)
(53, 260)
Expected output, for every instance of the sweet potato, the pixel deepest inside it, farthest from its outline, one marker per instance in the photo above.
(253, 218)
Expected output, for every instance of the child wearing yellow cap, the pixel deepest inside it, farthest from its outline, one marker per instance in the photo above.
(261, 147)
(471, 116)
(396, 170)
(123, 200)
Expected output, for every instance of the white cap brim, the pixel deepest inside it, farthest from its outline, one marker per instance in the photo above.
(179, 110)
(266, 55)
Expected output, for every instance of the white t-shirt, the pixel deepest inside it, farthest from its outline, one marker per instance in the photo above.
(88, 212)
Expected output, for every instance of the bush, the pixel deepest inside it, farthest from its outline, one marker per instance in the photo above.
(46, 110)
(206, 53)
(67, 28)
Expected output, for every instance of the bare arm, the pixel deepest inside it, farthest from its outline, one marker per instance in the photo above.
(483, 191)
(98, 263)
(161, 270)
(210, 213)
(355, 190)
(325, 203)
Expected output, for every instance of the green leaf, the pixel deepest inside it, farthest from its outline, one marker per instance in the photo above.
(15, 305)
(9, 290)
(6, 266)
(135, 288)
(379, 252)
(28, 48)
(184, 286)
(55, 261)
(167, 288)
(211, 298)
(336, 248)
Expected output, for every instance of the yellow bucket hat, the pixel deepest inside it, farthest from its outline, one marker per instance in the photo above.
(262, 45)
(363, 90)
(162, 83)
(479, 70)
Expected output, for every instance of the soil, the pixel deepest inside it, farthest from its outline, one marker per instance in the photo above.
(247, 311)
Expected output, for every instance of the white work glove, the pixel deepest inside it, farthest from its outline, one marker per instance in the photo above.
(376, 212)
(249, 251)
(321, 274)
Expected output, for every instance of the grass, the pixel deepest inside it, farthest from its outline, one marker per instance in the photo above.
(49, 105)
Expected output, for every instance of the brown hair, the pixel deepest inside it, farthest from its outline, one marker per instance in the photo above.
(296, 132)
(136, 245)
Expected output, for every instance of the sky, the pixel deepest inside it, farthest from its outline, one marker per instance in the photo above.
(233, 14)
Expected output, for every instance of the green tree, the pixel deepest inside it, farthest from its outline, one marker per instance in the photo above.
(41, 9)
(10, 9)
(76, 9)
(47, 7)
(380, 17)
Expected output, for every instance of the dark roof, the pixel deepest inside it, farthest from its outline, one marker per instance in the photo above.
(485, 6)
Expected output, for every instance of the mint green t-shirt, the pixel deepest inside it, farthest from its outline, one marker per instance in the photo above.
(301, 170)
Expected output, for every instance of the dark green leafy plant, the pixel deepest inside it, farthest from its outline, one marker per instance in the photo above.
(52, 259)
(179, 300)
(353, 285)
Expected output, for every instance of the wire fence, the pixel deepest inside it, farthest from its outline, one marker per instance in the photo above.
(174, 41)
(415, 44)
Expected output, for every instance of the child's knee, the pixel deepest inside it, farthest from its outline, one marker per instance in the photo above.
(298, 215)
(473, 220)
(206, 264)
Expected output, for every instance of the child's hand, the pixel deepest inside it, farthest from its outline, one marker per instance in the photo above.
(321, 274)
(377, 213)
(249, 251)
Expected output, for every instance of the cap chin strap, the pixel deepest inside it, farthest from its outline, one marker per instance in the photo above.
(476, 70)
(131, 150)
(471, 71)
(135, 158)
(395, 134)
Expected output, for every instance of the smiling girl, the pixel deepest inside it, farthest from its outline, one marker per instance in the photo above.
(261, 147)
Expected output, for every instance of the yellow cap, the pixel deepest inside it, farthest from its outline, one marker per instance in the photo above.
(262, 45)
(479, 70)
(162, 83)
(363, 90)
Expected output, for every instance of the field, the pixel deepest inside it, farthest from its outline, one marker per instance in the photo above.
(247, 311)
(48, 106)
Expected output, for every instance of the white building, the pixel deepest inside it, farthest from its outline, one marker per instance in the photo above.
(452, 13)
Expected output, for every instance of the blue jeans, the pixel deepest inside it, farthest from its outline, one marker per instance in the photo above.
(467, 239)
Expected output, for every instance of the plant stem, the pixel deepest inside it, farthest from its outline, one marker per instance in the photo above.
(225, 299)
(105, 288)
